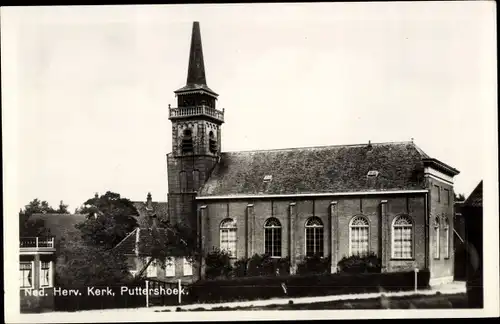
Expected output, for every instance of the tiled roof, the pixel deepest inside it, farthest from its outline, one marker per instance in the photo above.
(159, 208)
(60, 225)
(475, 199)
(146, 238)
(341, 168)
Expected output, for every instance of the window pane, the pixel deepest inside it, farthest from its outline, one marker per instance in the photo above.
(170, 267)
(26, 273)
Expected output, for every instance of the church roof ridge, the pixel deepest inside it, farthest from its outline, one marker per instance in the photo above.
(328, 146)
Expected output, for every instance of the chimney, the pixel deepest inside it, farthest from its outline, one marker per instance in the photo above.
(149, 202)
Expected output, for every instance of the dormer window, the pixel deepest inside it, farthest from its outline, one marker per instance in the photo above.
(268, 178)
(372, 174)
(187, 141)
(212, 143)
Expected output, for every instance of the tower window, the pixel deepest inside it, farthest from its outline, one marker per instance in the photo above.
(187, 142)
(212, 143)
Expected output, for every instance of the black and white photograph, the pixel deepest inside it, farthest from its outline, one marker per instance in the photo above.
(246, 161)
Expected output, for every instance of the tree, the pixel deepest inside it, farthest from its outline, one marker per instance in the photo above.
(63, 209)
(168, 240)
(86, 265)
(459, 197)
(30, 228)
(110, 219)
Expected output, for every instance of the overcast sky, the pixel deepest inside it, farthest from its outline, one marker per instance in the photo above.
(86, 89)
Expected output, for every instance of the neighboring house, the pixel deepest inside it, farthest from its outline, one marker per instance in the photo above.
(37, 260)
(469, 232)
(471, 213)
(136, 245)
(459, 242)
(389, 198)
(146, 208)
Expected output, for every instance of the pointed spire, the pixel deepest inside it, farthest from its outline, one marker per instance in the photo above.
(196, 69)
(196, 79)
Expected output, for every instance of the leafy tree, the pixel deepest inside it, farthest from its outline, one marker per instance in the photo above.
(110, 219)
(63, 209)
(459, 197)
(83, 264)
(168, 240)
(29, 227)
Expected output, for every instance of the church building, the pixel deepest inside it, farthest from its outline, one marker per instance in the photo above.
(388, 198)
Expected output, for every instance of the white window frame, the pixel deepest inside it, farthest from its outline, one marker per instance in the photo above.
(50, 285)
(187, 267)
(447, 239)
(232, 227)
(169, 267)
(437, 239)
(152, 269)
(322, 242)
(350, 232)
(273, 228)
(393, 256)
(32, 276)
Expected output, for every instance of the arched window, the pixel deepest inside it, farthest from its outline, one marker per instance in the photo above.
(314, 236)
(436, 238)
(359, 230)
(446, 230)
(228, 236)
(212, 143)
(402, 238)
(272, 237)
(187, 141)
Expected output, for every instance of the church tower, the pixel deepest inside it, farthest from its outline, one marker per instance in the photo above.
(196, 137)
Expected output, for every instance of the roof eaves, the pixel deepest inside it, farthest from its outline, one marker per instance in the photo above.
(126, 237)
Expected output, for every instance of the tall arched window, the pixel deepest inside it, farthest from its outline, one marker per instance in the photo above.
(314, 236)
(228, 236)
(272, 237)
(402, 238)
(212, 143)
(436, 238)
(359, 230)
(187, 141)
(446, 230)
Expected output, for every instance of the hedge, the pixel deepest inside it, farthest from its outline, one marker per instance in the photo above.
(257, 288)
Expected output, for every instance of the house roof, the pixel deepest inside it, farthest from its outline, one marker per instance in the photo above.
(475, 199)
(60, 225)
(340, 168)
(159, 208)
(143, 236)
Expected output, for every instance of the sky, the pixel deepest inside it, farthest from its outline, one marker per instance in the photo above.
(86, 89)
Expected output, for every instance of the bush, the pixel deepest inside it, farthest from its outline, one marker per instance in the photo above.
(314, 264)
(370, 263)
(265, 265)
(240, 268)
(255, 288)
(218, 264)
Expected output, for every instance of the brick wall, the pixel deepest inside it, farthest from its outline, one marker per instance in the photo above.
(441, 204)
(250, 216)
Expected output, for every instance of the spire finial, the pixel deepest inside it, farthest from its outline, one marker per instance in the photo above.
(196, 69)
